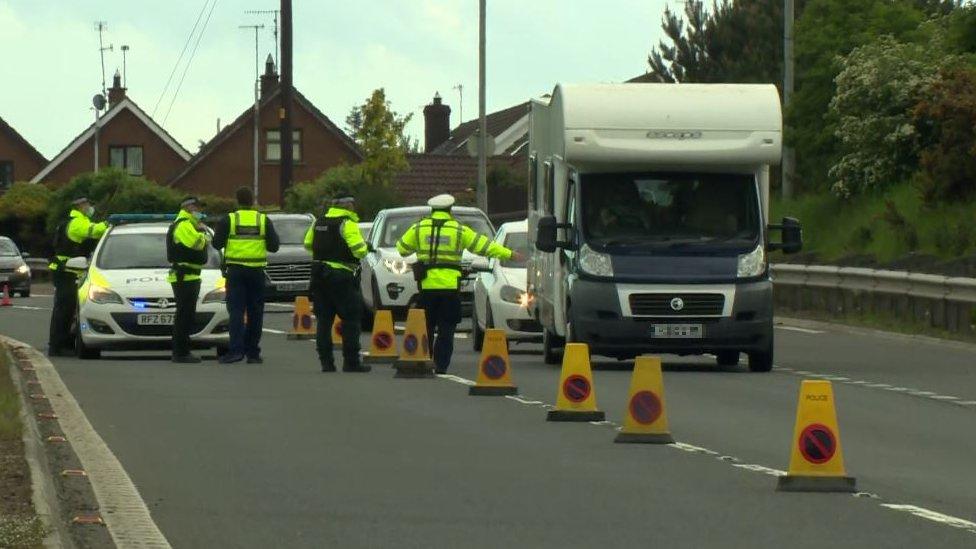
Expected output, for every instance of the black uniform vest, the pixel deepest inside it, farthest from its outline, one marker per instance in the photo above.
(178, 253)
(328, 243)
(64, 246)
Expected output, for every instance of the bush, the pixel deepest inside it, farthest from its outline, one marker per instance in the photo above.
(947, 118)
(113, 191)
(312, 196)
(23, 209)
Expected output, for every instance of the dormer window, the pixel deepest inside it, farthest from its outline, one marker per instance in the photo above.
(129, 158)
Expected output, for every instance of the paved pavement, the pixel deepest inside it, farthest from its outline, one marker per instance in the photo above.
(283, 455)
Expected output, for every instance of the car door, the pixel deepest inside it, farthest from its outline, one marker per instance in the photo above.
(485, 283)
(370, 262)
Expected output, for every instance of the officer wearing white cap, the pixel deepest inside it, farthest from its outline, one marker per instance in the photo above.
(75, 237)
(439, 242)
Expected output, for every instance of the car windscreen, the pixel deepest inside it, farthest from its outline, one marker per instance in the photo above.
(292, 231)
(518, 242)
(141, 251)
(396, 225)
(672, 211)
(7, 248)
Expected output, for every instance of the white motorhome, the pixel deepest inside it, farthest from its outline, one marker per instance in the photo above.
(649, 209)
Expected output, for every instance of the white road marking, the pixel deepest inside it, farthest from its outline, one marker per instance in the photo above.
(273, 331)
(760, 469)
(966, 402)
(123, 509)
(944, 397)
(934, 516)
(898, 389)
(801, 330)
(891, 388)
(456, 379)
(29, 308)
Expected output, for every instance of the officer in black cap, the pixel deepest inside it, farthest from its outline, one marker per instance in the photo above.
(187, 249)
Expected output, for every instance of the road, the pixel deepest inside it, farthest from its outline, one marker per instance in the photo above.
(283, 455)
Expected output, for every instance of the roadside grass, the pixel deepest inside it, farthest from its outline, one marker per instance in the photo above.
(17, 528)
(883, 226)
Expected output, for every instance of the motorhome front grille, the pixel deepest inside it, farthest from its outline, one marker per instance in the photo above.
(289, 272)
(677, 304)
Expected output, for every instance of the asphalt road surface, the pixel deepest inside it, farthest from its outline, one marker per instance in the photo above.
(281, 455)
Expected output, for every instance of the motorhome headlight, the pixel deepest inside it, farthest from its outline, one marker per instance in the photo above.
(752, 264)
(397, 266)
(216, 296)
(595, 263)
(102, 296)
(23, 269)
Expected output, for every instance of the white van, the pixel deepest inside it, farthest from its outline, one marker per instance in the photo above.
(648, 204)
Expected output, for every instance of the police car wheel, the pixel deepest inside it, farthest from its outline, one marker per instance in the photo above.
(551, 348)
(82, 351)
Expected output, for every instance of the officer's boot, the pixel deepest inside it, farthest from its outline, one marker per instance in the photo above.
(327, 366)
(358, 367)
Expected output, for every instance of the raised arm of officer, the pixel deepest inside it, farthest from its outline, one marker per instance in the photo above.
(190, 234)
(482, 245)
(408, 242)
(271, 240)
(81, 227)
(221, 232)
(354, 238)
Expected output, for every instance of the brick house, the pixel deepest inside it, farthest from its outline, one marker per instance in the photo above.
(127, 138)
(227, 161)
(19, 160)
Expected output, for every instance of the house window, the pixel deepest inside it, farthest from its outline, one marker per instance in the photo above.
(6, 174)
(127, 158)
(272, 147)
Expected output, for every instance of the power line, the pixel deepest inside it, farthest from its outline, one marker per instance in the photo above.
(189, 62)
(182, 53)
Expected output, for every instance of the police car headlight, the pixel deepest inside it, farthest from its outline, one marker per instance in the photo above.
(23, 269)
(752, 264)
(595, 263)
(103, 296)
(216, 296)
(397, 266)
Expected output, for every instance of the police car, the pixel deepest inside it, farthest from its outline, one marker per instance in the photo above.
(125, 301)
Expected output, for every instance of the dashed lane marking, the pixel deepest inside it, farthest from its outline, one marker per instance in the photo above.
(29, 308)
(934, 516)
(800, 330)
(273, 331)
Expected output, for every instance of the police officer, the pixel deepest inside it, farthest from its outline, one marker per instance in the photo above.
(246, 236)
(75, 237)
(337, 246)
(438, 241)
(186, 249)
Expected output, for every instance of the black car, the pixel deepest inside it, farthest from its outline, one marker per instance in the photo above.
(290, 268)
(14, 272)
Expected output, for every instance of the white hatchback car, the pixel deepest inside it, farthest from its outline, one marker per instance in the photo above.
(500, 299)
(125, 301)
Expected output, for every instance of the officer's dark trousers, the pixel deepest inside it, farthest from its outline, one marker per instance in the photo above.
(443, 311)
(65, 305)
(186, 294)
(336, 292)
(245, 295)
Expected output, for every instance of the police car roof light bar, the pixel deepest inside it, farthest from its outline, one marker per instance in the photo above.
(122, 219)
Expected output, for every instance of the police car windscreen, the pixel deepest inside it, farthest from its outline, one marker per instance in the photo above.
(140, 251)
(673, 212)
(7, 248)
(292, 231)
(518, 242)
(395, 226)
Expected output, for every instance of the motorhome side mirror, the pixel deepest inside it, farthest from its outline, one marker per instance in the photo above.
(792, 236)
(545, 237)
(77, 264)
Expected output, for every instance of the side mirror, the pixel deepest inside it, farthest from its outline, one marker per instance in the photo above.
(545, 236)
(77, 263)
(25, 255)
(791, 235)
(481, 265)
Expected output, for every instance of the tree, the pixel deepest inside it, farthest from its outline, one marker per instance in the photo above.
(947, 120)
(313, 196)
(379, 131)
(112, 190)
(23, 209)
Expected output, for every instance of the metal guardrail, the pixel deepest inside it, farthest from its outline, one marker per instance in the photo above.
(876, 280)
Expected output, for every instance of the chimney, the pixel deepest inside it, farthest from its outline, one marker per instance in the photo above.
(269, 80)
(116, 93)
(437, 124)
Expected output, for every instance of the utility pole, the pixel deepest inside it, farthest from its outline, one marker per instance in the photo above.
(101, 27)
(460, 90)
(789, 159)
(257, 102)
(274, 14)
(481, 192)
(125, 49)
(286, 99)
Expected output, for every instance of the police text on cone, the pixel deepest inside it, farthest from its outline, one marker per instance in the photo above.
(303, 327)
(576, 397)
(382, 347)
(816, 459)
(494, 367)
(414, 358)
(646, 419)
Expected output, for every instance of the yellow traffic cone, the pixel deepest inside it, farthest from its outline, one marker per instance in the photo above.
(494, 368)
(816, 459)
(302, 326)
(646, 420)
(337, 331)
(414, 358)
(382, 349)
(576, 399)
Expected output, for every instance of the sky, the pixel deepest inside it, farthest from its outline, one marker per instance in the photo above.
(344, 49)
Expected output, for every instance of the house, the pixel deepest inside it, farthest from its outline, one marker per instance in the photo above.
(127, 138)
(19, 160)
(227, 161)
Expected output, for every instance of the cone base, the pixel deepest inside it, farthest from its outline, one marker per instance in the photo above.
(571, 415)
(644, 438)
(491, 390)
(413, 369)
(378, 359)
(800, 483)
(298, 336)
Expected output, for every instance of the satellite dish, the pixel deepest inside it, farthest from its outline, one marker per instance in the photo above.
(475, 140)
(98, 101)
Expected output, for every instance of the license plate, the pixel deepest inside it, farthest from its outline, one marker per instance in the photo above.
(291, 286)
(682, 331)
(155, 319)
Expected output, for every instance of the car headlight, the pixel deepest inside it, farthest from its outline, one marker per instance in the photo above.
(103, 296)
(216, 296)
(511, 294)
(23, 269)
(752, 264)
(397, 266)
(595, 263)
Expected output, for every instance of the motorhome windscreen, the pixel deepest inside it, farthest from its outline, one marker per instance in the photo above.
(673, 211)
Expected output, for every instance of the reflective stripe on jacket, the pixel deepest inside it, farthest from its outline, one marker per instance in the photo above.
(78, 230)
(187, 234)
(246, 244)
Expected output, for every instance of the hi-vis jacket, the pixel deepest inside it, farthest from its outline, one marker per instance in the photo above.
(439, 241)
(327, 248)
(75, 238)
(246, 244)
(188, 247)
